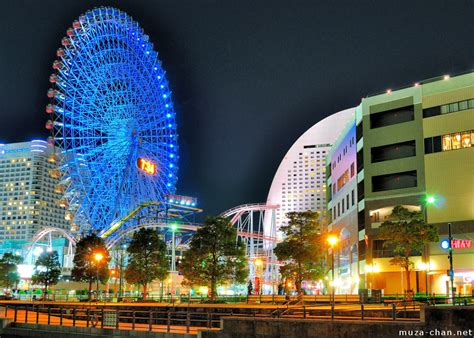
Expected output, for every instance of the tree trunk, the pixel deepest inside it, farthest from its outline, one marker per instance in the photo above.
(145, 290)
(90, 289)
(45, 290)
(211, 289)
(407, 270)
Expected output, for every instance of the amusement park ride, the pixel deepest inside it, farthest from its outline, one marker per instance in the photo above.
(113, 126)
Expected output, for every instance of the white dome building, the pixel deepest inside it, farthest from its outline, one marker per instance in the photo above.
(300, 181)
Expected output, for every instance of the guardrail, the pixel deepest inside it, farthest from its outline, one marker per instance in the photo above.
(141, 319)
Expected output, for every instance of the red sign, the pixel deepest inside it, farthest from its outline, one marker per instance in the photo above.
(461, 243)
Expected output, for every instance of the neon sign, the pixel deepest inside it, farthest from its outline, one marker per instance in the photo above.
(461, 243)
(146, 166)
(456, 244)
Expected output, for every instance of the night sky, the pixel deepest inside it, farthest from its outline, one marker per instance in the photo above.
(248, 77)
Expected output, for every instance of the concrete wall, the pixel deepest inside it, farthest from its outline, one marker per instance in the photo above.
(47, 331)
(453, 319)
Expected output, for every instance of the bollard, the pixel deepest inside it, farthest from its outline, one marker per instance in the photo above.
(133, 320)
(362, 311)
(15, 315)
(6, 311)
(26, 314)
(168, 321)
(87, 318)
(74, 317)
(188, 321)
(394, 311)
(150, 321)
(49, 315)
(37, 314)
(61, 316)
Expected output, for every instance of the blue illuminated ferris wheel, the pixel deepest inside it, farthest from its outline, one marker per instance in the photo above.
(112, 120)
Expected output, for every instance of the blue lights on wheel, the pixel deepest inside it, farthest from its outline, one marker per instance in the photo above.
(111, 107)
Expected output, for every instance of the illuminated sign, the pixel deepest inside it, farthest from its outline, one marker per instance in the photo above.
(146, 166)
(445, 244)
(461, 243)
(456, 243)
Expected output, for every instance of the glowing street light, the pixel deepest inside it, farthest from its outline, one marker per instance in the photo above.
(430, 200)
(98, 257)
(332, 241)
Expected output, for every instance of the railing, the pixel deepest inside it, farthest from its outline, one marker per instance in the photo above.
(161, 320)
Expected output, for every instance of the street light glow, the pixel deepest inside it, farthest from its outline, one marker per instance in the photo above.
(430, 199)
(258, 262)
(332, 240)
(98, 257)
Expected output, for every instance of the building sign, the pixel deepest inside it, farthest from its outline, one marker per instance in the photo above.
(146, 166)
(456, 244)
(461, 243)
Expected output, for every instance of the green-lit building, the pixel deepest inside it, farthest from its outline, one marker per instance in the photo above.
(412, 143)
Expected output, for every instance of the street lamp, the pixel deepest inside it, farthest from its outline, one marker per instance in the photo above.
(332, 241)
(429, 200)
(98, 257)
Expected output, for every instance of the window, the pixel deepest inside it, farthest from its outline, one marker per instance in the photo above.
(449, 108)
(393, 116)
(352, 197)
(394, 181)
(352, 169)
(454, 141)
(393, 151)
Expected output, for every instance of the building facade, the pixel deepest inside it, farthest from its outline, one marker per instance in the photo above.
(413, 143)
(342, 209)
(29, 192)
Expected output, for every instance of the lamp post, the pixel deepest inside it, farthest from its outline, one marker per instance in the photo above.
(429, 200)
(98, 257)
(332, 241)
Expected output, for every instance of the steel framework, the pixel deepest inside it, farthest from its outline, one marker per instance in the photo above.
(249, 221)
(112, 118)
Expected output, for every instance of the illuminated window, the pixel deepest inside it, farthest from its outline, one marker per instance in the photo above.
(446, 142)
(456, 140)
(466, 139)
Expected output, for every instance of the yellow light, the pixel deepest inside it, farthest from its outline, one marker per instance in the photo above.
(98, 257)
(332, 240)
(446, 77)
(147, 166)
(288, 284)
(258, 262)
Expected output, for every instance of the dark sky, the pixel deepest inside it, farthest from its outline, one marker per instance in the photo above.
(248, 77)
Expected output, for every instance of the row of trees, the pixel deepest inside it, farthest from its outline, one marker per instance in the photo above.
(215, 257)
(304, 246)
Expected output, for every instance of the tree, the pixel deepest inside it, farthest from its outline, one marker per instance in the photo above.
(214, 256)
(407, 232)
(301, 248)
(47, 270)
(147, 259)
(8, 269)
(86, 268)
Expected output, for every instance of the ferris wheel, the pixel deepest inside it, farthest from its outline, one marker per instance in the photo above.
(112, 120)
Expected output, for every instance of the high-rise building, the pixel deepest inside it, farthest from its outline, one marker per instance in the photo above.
(28, 191)
(300, 181)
